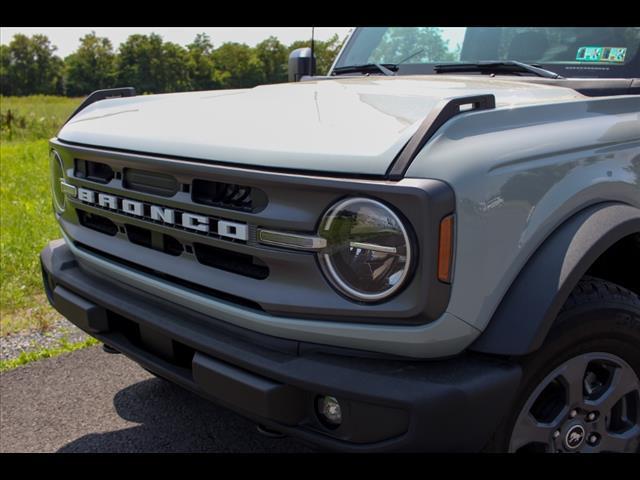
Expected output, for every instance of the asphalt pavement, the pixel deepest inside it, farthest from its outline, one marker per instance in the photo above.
(92, 401)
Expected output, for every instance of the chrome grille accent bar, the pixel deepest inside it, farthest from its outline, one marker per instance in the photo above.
(69, 189)
(295, 241)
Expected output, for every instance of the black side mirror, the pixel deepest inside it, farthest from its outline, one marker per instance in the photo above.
(301, 64)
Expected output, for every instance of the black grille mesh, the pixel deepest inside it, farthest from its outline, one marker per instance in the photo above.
(228, 195)
(97, 222)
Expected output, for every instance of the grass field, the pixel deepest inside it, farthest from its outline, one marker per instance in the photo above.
(26, 218)
(37, 117)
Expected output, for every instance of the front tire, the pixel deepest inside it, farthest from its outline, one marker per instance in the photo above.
(581, 390)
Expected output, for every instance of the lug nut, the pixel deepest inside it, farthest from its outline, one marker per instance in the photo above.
(573, 413)
(592, 416)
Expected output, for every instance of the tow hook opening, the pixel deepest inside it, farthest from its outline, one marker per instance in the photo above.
(267, 432)
(106, 348)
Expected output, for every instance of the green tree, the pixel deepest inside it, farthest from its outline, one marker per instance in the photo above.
(173, 71)
(5, 65)
(153, 66)
(236, 65)
(273, 56)
(399, 43)
(139, 63)
(200, 63)
(29, 66)
(91, 67)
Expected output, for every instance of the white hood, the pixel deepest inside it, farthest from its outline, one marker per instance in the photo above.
(346, 125)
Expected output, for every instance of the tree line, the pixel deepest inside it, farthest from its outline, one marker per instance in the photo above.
(29, 66)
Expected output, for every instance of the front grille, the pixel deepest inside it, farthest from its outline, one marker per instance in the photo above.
(231, 196)
(228, 195)
(93, 171)
(149, 182)
(235, 262)
(158, 241)
(170, 279)
(222, 259)
(205, 225)
(133, 220)
(97, 222)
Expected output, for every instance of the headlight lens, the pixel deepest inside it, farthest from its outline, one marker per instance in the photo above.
(368, 253)
(57, 174)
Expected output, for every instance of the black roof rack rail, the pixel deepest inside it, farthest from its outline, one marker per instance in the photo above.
(443, 112)
(102, 95)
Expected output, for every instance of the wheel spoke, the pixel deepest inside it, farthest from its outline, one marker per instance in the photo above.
(620, 442)
(529, 430)
(622, 382)
(573, 373)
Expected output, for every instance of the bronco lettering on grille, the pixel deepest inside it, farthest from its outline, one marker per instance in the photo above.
(167, 216)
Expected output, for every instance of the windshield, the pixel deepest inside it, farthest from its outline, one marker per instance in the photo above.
(573, 52)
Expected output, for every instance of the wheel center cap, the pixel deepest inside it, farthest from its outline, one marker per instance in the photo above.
(574, 437)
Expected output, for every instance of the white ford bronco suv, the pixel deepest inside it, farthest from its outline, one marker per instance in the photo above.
(435, 246)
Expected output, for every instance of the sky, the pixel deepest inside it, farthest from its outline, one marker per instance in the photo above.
(67, 39)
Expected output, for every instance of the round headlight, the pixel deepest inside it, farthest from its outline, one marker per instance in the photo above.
(57, 174)
(368, 253)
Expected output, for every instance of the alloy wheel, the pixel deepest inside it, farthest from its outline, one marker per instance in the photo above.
(590, 403)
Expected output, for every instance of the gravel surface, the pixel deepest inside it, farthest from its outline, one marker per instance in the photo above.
(13, 344)
(91, 401)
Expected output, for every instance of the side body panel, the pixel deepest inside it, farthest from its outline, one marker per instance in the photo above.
(520, 173)
(524, 317)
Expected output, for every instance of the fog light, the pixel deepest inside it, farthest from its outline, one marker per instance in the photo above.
(329, 410)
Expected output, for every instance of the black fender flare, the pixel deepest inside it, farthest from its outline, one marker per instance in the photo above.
(521, 322)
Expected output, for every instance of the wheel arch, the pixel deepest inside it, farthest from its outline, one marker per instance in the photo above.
(527, 311)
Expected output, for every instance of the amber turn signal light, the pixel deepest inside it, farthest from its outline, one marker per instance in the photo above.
(445, 249)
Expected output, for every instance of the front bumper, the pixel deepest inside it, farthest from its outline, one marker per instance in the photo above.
(388, 404)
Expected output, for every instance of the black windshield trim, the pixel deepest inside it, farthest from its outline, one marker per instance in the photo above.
(366, 68)
(495, 66)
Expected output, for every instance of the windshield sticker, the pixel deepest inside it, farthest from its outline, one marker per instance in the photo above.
(601, 54)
